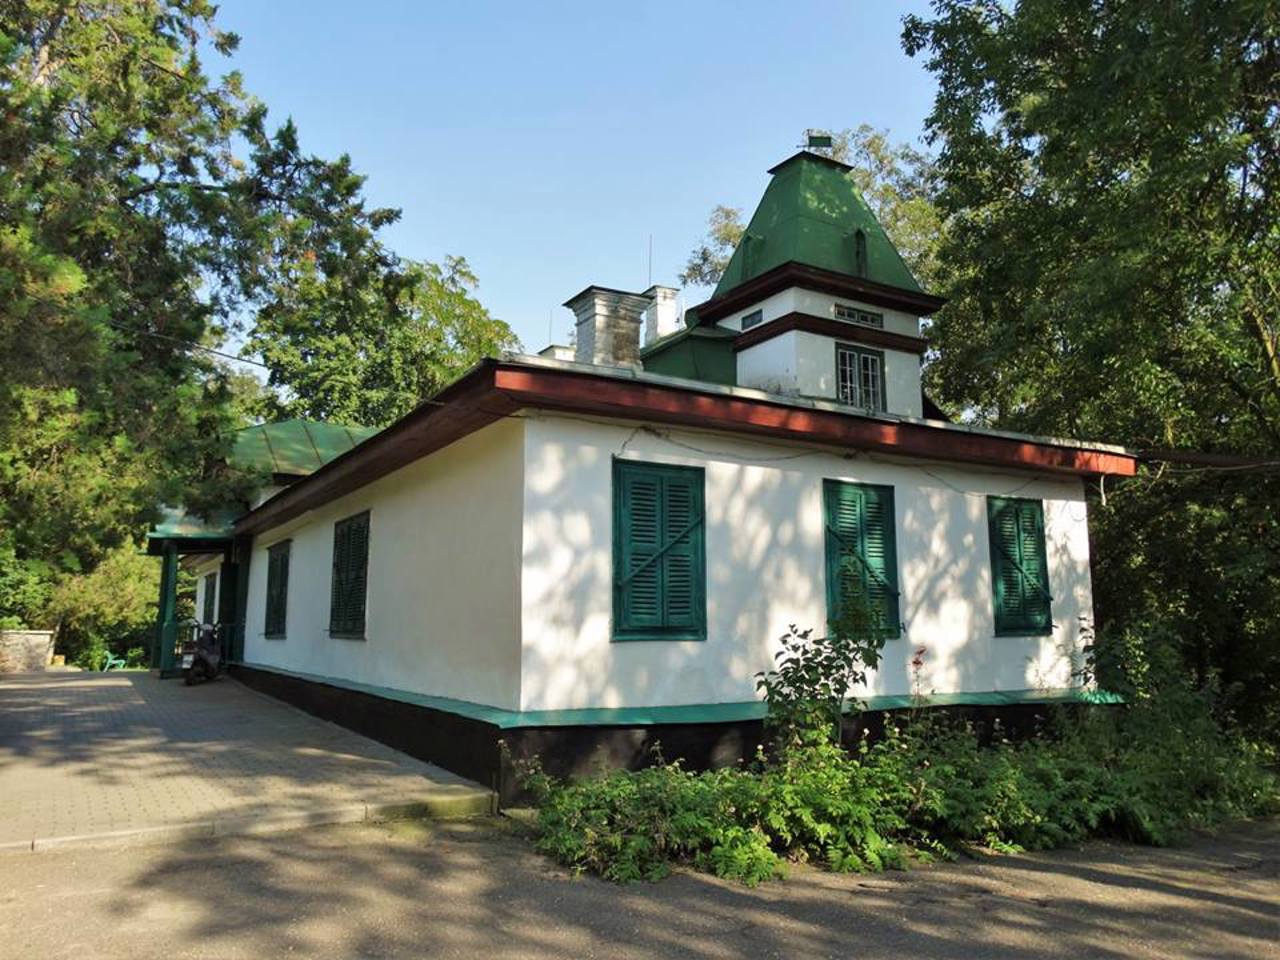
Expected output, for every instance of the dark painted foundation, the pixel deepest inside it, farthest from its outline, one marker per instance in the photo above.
(474, 749)
(576, 751)
(464, 746)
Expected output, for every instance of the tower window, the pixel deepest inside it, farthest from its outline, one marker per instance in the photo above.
(857, 315)
(752, 318)
(860, 377)
(860, 253)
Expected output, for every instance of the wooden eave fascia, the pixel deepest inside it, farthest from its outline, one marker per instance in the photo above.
(634, 399)
(829, 327)
(460, 409)
(499, 388)
(793, 274)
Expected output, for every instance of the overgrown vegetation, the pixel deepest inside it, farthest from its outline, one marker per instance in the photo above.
(1147, 772)
(1112, 265)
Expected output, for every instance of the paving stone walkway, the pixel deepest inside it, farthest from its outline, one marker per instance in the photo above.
(88, 755)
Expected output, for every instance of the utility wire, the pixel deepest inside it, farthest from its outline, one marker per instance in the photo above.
(1261, 466)
(190, 344)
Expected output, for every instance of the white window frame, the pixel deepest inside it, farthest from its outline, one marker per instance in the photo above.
(860, 380)
(850, 314)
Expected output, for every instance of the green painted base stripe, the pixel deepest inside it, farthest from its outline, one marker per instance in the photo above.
(690, 713)
(465, 708)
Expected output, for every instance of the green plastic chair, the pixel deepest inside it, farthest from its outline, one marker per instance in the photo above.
(113, 663)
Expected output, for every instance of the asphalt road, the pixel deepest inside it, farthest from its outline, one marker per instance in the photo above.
(472, 889)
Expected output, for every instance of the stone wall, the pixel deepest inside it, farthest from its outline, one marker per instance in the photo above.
(22, 650)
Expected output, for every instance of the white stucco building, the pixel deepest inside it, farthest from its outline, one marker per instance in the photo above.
(583, 555)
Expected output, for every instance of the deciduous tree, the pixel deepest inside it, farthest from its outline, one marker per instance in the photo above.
(1109, 179)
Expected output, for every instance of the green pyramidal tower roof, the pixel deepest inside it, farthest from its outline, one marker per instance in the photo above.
(811, 213)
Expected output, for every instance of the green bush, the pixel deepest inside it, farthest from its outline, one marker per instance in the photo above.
(110, 610)
(631, 826)
(925, 790)
(91, 652)
(943, 789)
(1148, 772)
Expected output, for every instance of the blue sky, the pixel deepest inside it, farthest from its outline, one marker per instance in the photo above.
(546, 142)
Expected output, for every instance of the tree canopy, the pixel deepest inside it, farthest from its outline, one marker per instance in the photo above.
(1107, 177)
(394, 341)
(148, 213)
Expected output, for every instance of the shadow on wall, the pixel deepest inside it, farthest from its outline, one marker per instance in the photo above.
(755, 532)
(948, 593)
(766, 570)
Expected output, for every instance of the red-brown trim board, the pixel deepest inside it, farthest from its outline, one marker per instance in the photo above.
(828, 327)
(498, 388)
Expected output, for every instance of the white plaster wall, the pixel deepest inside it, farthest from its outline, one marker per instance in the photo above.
(771, 365)
(201, 570)
(797, 300)
(804, 364)
(766, 569)
(442, 608)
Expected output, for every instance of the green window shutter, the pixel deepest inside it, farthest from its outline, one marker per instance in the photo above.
(209, 614)
(277, 589)
(350, 574)
(1019, 567)
(862, 550)
(659, 552)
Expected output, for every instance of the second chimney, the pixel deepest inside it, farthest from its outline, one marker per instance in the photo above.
(662, 316)
(608, 329)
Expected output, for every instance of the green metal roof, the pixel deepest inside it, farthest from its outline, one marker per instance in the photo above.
(295, 448)
(289, 448)
(177, 523)
(811, 213)
(695, 353)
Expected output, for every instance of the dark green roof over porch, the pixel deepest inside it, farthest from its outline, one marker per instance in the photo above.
(286, 450)
(295, 448)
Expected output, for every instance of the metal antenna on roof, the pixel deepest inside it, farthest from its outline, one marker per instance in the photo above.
(650, 260)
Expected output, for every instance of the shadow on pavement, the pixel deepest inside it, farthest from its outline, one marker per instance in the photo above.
(473, 889)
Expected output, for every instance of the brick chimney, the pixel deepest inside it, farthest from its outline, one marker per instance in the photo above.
(662, 316)
(608, 330)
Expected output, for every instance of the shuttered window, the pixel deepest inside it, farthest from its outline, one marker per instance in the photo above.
(210, 614)
(659, 552)
(350, 575)
(277, 589)
(862, 552)
(1019, 570)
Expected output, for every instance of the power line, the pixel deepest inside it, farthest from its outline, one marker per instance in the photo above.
(1248, 467)
(190, 344)
(1262, 466)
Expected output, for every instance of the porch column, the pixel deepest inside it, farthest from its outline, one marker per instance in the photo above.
(167, 613)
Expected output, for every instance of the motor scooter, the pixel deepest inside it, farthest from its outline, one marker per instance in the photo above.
(202, 655)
